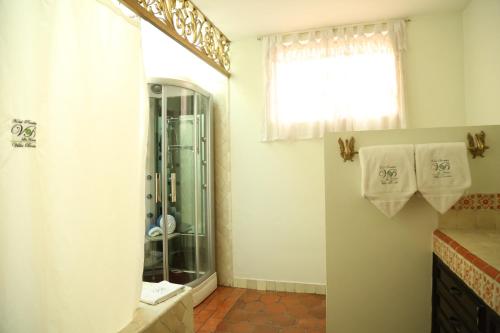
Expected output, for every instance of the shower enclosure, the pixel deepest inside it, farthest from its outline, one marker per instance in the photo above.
(179, 239)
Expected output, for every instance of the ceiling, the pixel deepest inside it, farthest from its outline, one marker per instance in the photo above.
(239, 19)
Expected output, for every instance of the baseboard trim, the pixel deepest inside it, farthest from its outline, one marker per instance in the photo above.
(294, 287)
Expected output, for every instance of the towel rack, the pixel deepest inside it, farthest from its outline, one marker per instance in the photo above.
(477, 146)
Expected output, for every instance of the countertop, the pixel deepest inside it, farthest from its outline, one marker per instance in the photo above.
(485, 244)
(474, 256)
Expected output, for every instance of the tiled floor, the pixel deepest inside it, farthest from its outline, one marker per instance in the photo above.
(234, 310)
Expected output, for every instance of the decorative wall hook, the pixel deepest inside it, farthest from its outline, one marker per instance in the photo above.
(347, 149)
(477, 144)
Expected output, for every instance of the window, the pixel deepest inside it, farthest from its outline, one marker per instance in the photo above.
(338, 79)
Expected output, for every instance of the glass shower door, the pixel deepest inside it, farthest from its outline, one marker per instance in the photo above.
(181, 184)
(203, 180)
(179, 244)
(153, 242)
(190, 252)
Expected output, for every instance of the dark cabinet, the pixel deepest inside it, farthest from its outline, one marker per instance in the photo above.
(456, 308)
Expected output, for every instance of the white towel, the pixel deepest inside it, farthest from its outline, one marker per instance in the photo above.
(155, 231)
(443, 173)
(154, 293)
(388, 176)
(170, 223)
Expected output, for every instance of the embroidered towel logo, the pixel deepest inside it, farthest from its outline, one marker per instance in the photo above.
(23, 133)
(441, 168)
(388, 175)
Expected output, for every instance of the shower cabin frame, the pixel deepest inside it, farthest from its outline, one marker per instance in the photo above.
(210, 215)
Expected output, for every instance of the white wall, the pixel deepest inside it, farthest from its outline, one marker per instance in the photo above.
(379, 269)
(433, 63)
(481, 23)
(277, 188)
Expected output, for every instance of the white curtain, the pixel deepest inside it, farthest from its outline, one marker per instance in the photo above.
(71, 208)
(337, 79)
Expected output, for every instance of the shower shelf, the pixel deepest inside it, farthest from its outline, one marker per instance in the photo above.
(180, 147)
(160, 238)
(169, 119)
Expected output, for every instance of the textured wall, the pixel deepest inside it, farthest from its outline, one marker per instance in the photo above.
(222, 170)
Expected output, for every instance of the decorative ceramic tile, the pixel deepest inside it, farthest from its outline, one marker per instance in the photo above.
(477, 201)
(482, 278)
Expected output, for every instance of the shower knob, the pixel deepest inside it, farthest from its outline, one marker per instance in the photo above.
(149, 196)
(149, 177)
(150, 215)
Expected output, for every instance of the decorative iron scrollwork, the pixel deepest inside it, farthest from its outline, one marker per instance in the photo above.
(192, 25)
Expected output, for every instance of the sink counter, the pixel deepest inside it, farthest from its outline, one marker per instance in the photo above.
(473, 255)
(485, 244)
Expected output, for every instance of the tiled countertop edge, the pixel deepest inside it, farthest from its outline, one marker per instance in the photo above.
(469, 256)
(475, 272)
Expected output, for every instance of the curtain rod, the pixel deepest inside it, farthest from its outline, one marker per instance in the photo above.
(407, 20)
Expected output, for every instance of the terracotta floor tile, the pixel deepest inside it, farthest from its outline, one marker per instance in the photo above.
(254, 306)
(211, 324)
(221, 313)
(250, 297)
(312, 300)
(294, 330)
(283, 320)
(316, 331)
(236, 310)
(298, 310)
(205, 330)
(309, 323)
(290, 300)
(318, 311)
(224, 327)
(275, 308)
(197, 326)
(243, 327)
(237, 316)
(260, 318)
(268, 299)
(203, 315)
(214, 304)
(237, 291)
(267, 329)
